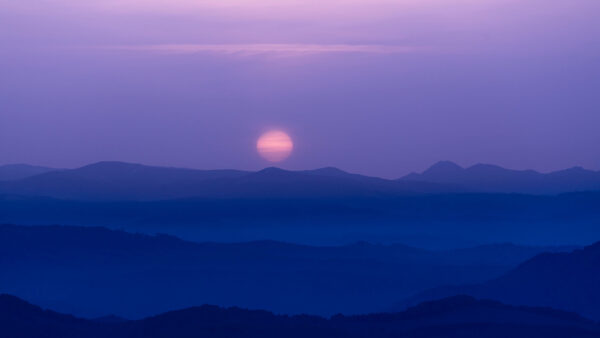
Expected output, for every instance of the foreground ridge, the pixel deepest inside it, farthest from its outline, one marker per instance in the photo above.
(459, 316)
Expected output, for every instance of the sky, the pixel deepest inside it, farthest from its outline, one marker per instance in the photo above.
(379, 87)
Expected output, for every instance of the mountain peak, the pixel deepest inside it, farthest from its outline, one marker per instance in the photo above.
(576, 169)
(272, 171)
(328, 171)
(444, 167)
(485, 166)
(111, 164)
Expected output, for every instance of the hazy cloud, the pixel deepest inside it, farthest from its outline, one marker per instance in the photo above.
(281, 49)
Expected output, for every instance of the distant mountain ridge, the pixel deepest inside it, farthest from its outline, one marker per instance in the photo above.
(126, 181)
(568, 281)
(455, 317)
(11, 172)
(495, 179)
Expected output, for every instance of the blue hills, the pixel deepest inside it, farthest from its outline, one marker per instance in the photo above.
(127, 181)
(567, 280)
(494, 179)
(454, 317)
(94, 271)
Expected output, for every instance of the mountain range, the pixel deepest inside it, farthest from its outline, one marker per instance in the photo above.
(109, 275)
(430, 220)
(92, 271)
(455, 317)
(495, 179)
(126, 181)
(567, 281)
(12, 172)
(324, 206)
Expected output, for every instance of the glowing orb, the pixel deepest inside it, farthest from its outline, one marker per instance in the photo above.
(274, 146)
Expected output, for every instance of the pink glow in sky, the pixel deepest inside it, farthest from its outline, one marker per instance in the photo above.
(282, 49)
(382, 87)
(274, 146)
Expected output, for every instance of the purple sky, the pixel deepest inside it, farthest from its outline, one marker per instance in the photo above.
(378, 87)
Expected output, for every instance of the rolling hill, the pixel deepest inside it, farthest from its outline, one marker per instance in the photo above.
(95, 271)
(11, 172)
(430, 220)
(118, 181)
(456, 317)
(494, 179)
(567, 281)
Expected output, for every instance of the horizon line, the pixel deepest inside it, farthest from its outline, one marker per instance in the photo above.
(297, 170)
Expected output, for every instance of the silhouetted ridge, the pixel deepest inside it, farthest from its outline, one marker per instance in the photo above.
(567, 281)
(456, 317)
(109, 319)
(15, 304)
(11, 172)
(443, 167)
(119, 181)
(274, 172)
(493, 178)
(127, 181)
(329, 171)
(448, 304)
(462, 308)
(92, 271)
(113, 165)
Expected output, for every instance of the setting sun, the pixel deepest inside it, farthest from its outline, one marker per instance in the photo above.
(274, 146)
